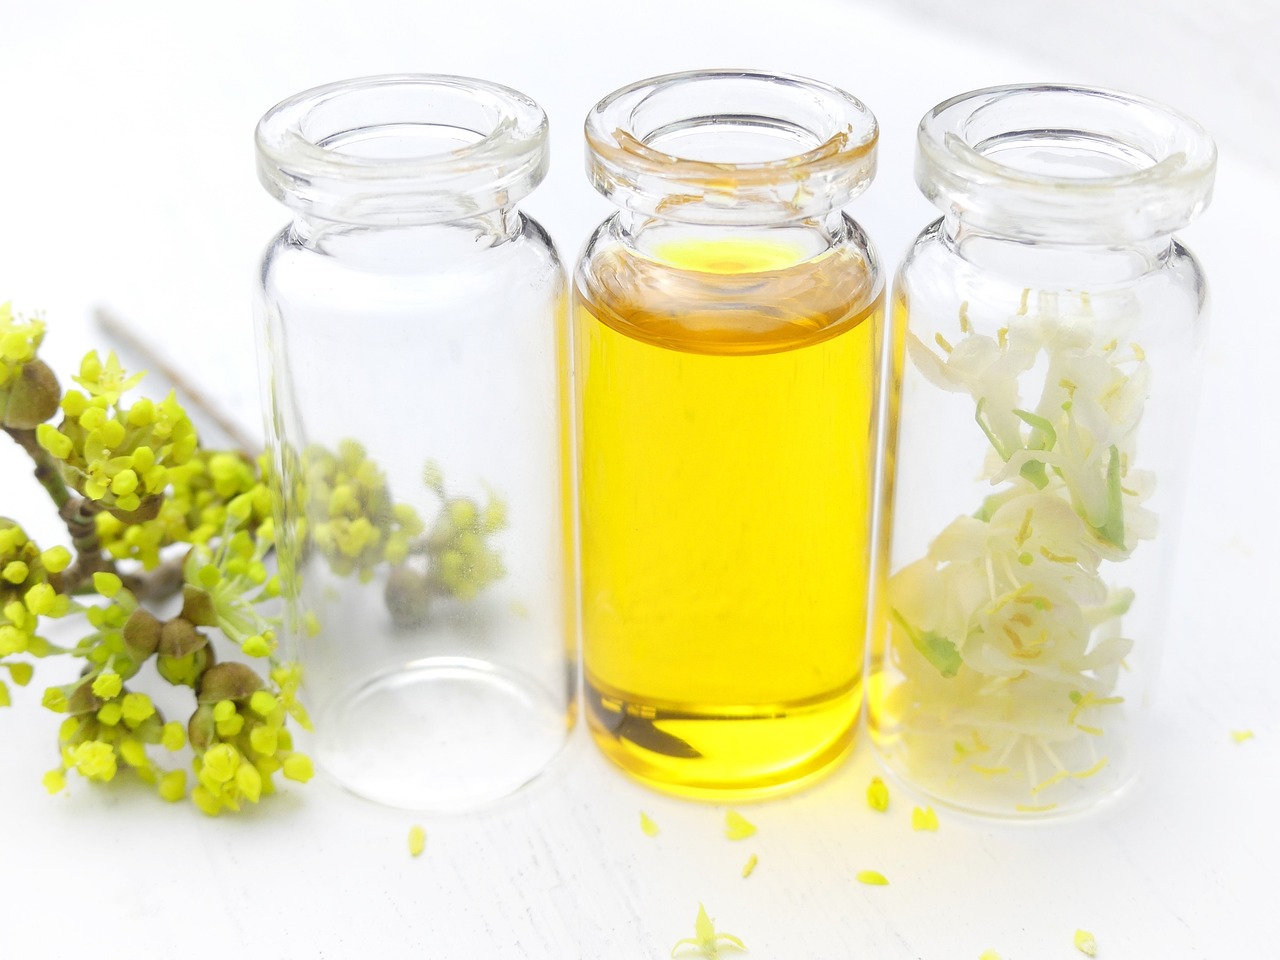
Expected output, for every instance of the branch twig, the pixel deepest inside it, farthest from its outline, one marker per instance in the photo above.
(192, 395)
(46, 468)
(78, 514)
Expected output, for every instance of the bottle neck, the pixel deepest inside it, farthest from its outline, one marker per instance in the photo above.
(414, 243)
(1044, 263)
(776, 245)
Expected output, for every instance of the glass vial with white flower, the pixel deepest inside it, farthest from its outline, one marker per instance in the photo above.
(726, 322)
(1042, 373)
(414, 355)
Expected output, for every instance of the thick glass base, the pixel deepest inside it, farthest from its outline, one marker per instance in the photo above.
(442, 733)
(990, 801)
(723, 753)
(1013, 768)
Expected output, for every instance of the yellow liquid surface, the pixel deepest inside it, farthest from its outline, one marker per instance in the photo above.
(725, 405)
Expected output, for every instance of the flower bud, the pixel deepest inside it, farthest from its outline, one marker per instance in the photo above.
(185, 671)
(142, 633)
(228, 681)
(149, 509)
(201, 728)
(197, 607)
(178, 637)
(32, 398)
(408, 597)
(84, 700)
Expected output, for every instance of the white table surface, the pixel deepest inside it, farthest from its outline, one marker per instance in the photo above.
(126, 178)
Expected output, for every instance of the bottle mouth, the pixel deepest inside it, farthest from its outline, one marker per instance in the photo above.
(403, 149)
(1065, 163)
(730, 147)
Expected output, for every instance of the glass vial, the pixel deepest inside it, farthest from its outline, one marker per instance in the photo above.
(1044, 352)
(726, 323)
(414, 349)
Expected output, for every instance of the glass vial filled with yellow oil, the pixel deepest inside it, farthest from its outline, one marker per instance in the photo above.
(726, 334)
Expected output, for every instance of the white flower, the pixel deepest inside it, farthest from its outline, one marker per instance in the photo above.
(1006, 630)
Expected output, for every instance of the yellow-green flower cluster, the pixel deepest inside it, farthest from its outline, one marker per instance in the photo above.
(230, 582)
(238, 729)
(460, 558)
(109, 650)
(240, 739)
(345, 512)
(110, 728)
(19, 341)
(144, 486)
(28, 389)
(195, 509)
(117, 456)
(29, 590)
(353, 520)
(462, 562)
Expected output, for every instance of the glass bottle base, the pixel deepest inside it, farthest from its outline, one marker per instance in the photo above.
(1012, 770)
(442, 733)
(988, 804)
(723, 753)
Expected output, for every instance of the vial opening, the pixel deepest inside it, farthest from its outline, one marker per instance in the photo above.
(1071, 164)
(401, 141)
(1064, 154)
(730, 147)
(404, 149)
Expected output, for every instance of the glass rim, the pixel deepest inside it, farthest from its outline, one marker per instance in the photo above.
(625, 165)
(299, 165)
(1169, 182)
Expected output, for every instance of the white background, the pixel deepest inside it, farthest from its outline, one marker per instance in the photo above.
(126, 178)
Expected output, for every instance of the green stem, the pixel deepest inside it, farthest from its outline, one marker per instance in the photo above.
(158, 584)
(1112, 530)
(995, 441)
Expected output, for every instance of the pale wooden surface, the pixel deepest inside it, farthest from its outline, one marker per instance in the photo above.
(128, 179)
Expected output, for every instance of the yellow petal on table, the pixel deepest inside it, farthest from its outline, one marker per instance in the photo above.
(648, 826)
(738, 827)
(1085, 943)
(877, 795)
(417, 841)
(1240, 736)
(872, 878)
(923, 818)
(750, 866)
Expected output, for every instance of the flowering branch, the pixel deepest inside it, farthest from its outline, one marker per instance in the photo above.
(151, 514)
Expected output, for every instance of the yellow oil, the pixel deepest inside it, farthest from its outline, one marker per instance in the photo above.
(725, 404)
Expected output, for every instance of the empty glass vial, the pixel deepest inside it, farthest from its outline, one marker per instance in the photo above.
(413, 349)
(726, 324)
(1044, 346)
